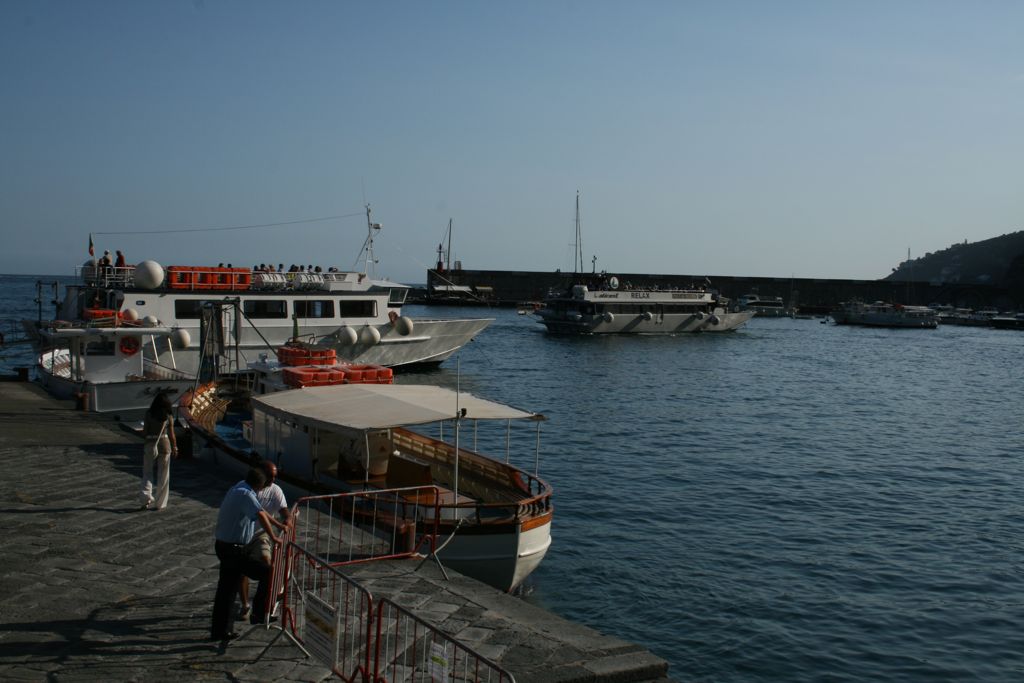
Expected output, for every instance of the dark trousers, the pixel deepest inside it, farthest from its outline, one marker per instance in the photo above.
(233, 564)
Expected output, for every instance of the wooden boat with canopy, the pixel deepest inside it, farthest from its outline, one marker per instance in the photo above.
(494, 519)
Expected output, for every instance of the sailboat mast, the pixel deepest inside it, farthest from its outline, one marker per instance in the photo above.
(577, 257)
(449, 266)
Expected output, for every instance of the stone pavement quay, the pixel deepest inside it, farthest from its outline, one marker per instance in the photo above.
(94, 589)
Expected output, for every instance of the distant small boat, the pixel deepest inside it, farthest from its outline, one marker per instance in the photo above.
(967, 317)
(881, 314)
(1008, 322)
(766, 308)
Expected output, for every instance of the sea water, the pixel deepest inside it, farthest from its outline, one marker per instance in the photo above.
(792, 501)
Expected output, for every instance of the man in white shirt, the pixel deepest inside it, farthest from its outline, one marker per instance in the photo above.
(274, 504)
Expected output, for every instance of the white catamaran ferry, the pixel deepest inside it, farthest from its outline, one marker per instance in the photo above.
(602, 307)
(351, 312)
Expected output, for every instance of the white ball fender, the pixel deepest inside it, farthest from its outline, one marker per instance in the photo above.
(149, 275)
(404, 326)
(347, 335)
(181, 339)
(369, 335)
(713, 320)
(150, 321)
(608, 317)
(699, 315)
(646, 315)
(130, 314)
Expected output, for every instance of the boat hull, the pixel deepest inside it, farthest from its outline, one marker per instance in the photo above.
(656, 324)
(431, 342)
(127, 399)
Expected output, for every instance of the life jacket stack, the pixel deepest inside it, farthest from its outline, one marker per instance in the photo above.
(310, 366)
(208, 277)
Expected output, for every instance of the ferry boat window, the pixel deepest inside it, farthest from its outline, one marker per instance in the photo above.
(185, 309)
(99, 348)
(397, 296)
(359, 308)
(265, 308)
(307, 308)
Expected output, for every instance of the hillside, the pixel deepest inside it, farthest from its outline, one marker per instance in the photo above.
(998, 261)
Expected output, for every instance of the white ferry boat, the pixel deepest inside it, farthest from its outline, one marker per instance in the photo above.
(351, 312)
(602, 307)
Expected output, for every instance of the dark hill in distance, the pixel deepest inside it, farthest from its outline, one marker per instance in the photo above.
(998, 261)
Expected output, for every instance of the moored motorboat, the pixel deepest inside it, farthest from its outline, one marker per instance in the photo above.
(763, 307)
(881, 314)
(101, 363)
(1008, 322)
(495, 517)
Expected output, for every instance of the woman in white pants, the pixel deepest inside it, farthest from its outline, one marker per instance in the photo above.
(158, 428)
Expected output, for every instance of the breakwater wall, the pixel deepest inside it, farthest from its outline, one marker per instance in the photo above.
(809, 295)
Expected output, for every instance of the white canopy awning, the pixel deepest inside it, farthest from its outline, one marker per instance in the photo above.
(381, 406)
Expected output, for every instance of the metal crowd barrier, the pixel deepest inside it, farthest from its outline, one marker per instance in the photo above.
(337, 620)
(328, 615)
(346, 528)
(407, 649)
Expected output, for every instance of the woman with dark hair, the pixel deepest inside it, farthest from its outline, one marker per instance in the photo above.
(158, 428)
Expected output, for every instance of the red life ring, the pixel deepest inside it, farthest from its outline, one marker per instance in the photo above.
(129, 345)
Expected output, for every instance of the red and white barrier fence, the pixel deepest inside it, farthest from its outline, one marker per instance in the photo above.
(407, 649)
(345, 528)
(337, 620)
(328, 614)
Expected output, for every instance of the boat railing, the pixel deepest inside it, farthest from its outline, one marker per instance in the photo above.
(154, 370)
(526, 495)
(106, 276)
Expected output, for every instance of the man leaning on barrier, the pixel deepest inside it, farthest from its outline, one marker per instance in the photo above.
(274, 503)
(237, 518)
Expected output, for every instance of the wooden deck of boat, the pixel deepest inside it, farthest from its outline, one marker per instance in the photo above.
(96, 590)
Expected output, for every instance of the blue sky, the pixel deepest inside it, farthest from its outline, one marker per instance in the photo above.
(807, 139)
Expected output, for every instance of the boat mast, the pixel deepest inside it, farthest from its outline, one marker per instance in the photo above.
(368, 266)
(449, 266)
(577, 257)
